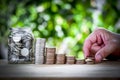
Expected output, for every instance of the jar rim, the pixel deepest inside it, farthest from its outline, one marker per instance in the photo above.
(21, 29)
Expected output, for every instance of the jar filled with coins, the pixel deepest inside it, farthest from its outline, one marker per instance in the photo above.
(20, 46)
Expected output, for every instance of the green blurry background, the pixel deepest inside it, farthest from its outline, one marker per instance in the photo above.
(64, 23)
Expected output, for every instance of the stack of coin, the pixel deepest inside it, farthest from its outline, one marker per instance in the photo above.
(70, 59)
(39, 50)
(80, 61)
(90, 60)
(60, 58)
(50, 55)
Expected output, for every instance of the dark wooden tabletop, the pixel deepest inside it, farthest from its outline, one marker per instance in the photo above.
(109, 70)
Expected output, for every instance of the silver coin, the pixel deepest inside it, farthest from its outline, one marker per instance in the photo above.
(24, 52)
(16, 39)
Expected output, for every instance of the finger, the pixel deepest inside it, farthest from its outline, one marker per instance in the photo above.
(95, 48)
(99, 39)
(86, 47)
(104, 52)
(88, 43)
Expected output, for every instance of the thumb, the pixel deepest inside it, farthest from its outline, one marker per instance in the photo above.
(104, 52)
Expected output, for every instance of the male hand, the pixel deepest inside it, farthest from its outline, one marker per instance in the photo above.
(102, 43)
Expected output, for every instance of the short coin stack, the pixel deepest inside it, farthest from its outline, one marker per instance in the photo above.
(50, 55)
(80, 61)
(70, 59)
(60, 58)
(39, 50)
(90, 60)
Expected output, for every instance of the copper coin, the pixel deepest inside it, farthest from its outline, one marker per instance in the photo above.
(81, 61)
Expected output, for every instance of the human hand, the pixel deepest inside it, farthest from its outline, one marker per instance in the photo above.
(102, 43)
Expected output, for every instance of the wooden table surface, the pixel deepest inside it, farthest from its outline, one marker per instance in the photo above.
(109, 70)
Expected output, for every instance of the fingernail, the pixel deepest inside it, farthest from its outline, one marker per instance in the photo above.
(98, 58)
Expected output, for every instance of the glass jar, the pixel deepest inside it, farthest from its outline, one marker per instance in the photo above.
(20, 45)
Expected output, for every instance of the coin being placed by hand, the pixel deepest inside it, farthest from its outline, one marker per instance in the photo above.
(16, 38)
(90, 60)
(24, 52)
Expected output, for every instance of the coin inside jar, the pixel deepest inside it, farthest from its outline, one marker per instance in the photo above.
(24, 52)
(16, 38)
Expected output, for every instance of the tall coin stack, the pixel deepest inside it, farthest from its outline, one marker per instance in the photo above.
(60, 58)
(50, 55)
(40, 50)
(70, 59)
